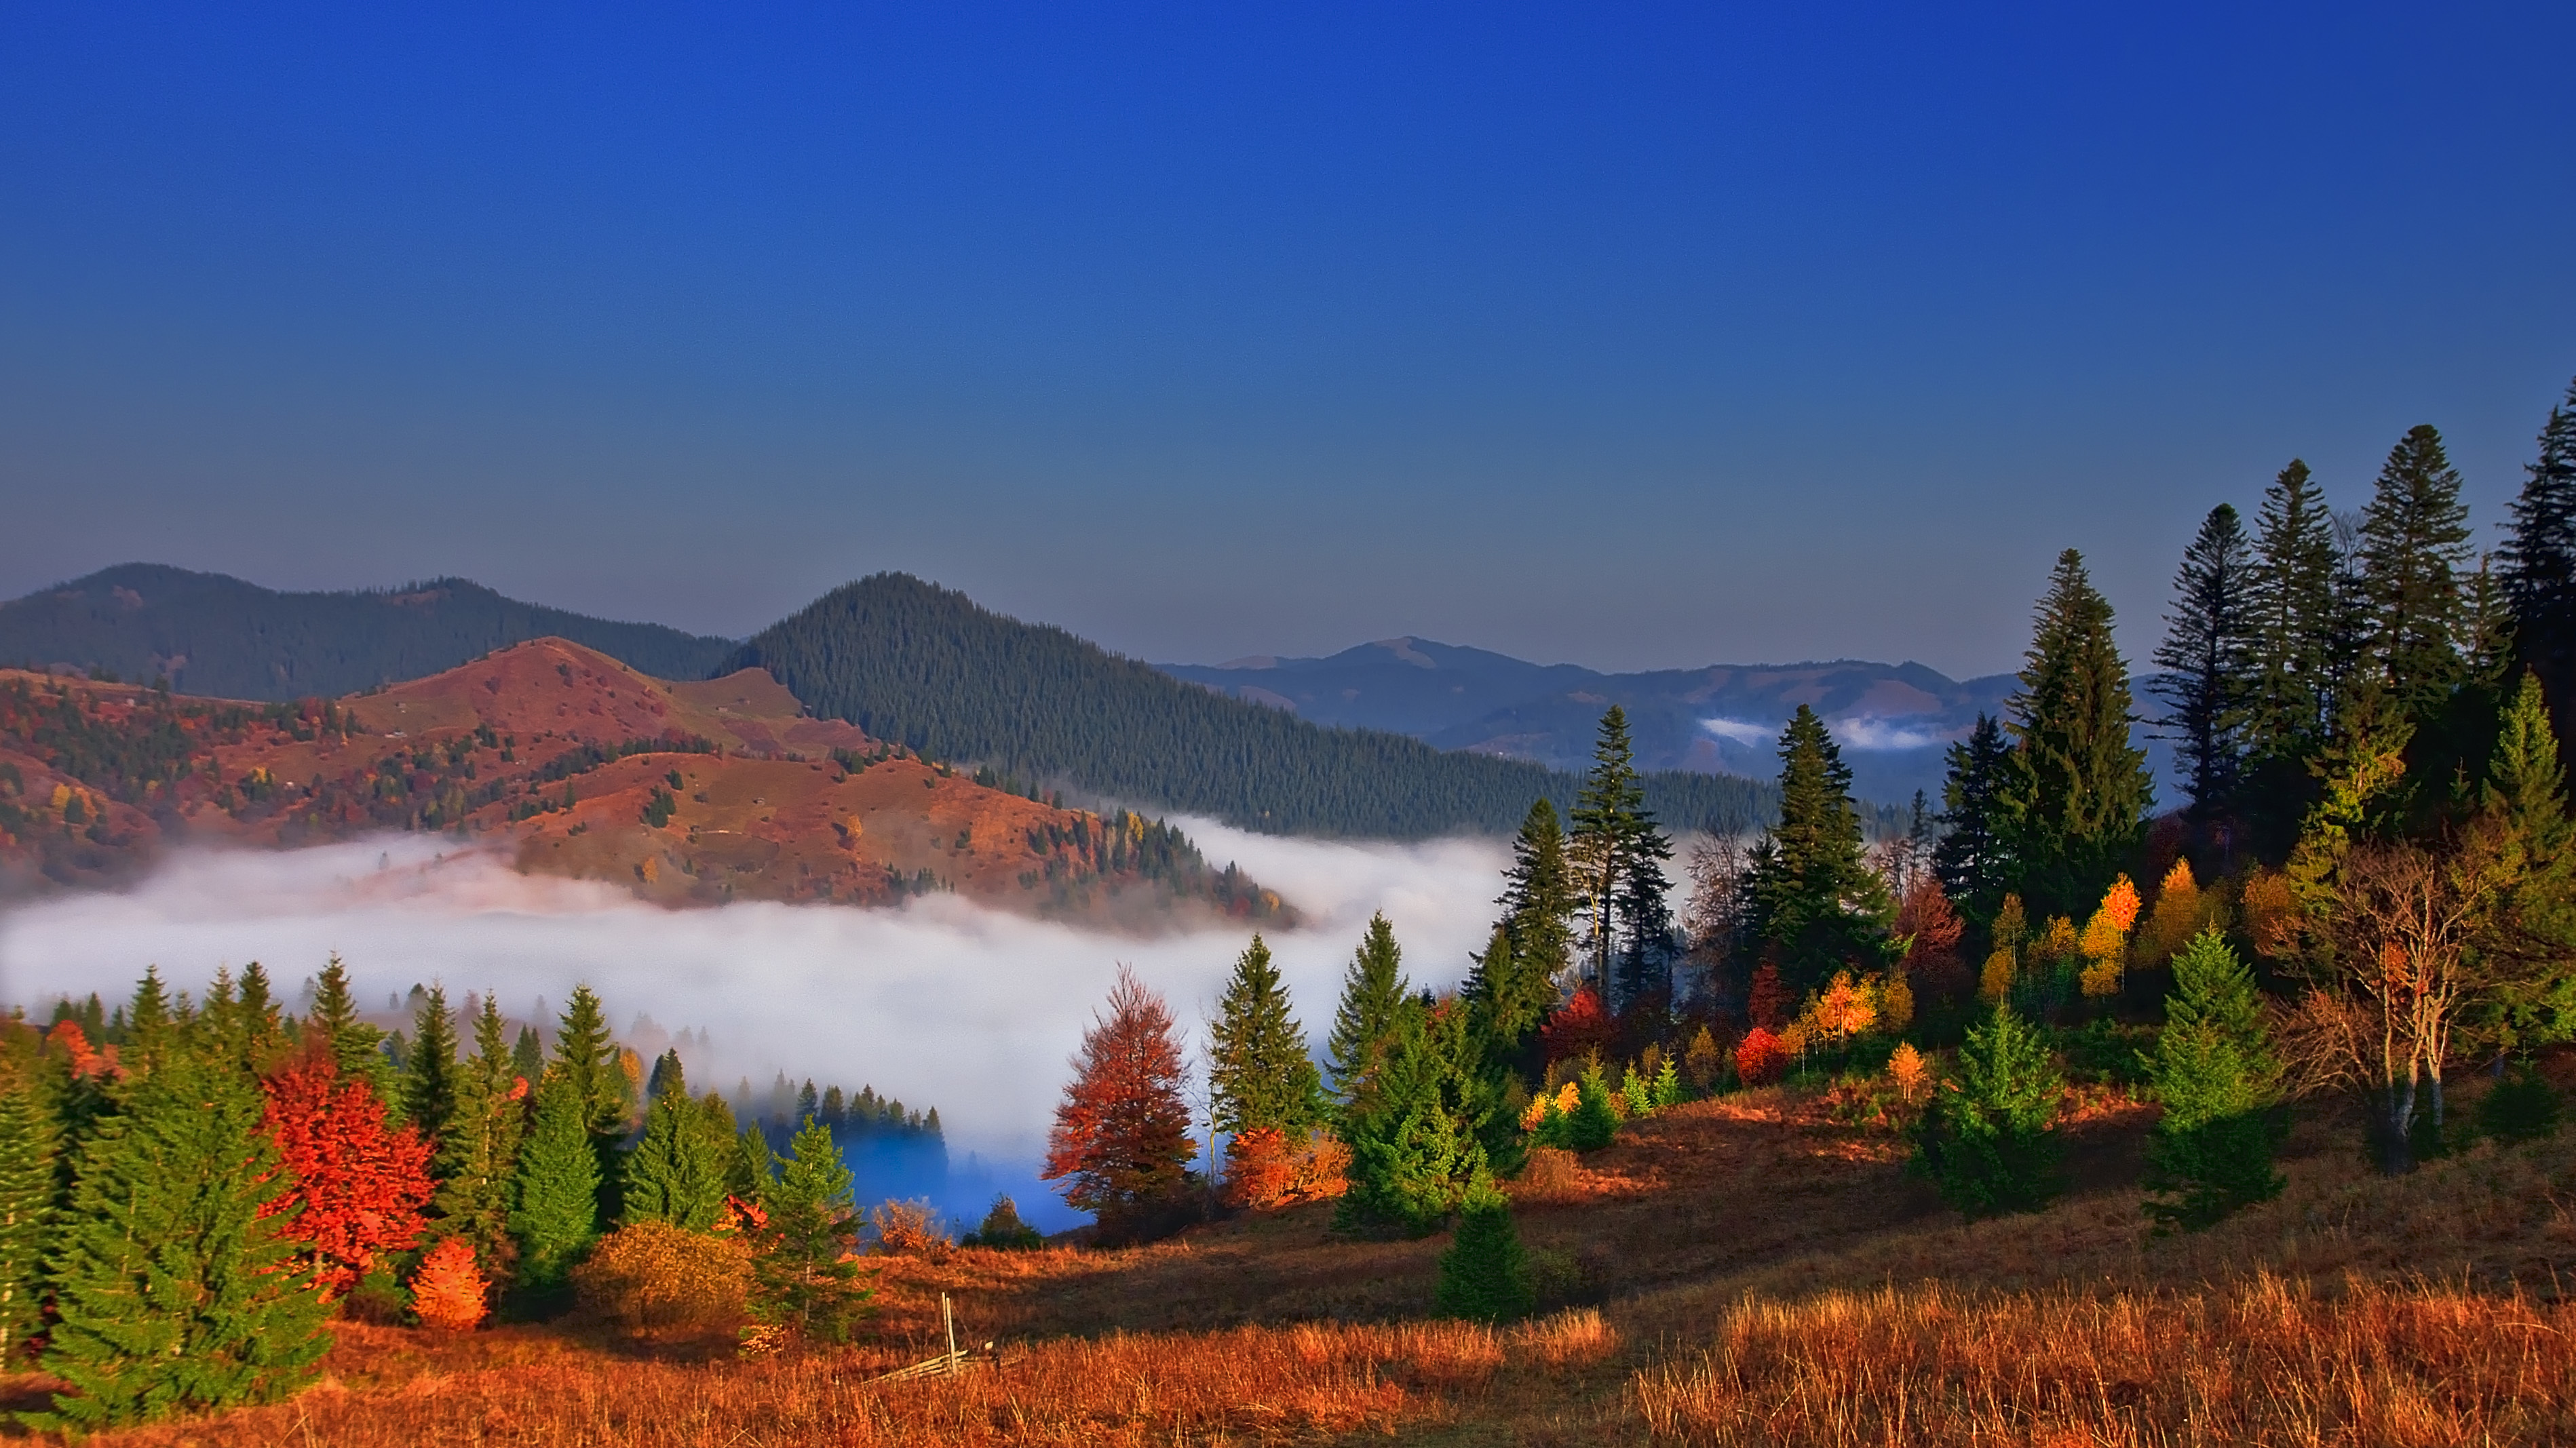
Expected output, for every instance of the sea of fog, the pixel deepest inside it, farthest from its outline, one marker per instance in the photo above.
(939, 1002)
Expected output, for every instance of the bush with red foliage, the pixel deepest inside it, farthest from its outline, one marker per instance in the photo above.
(1761, 1058)
(1578, 1028)
(1122, 1132)
(359, 1187)
(448, 1292)
(1267, 1168)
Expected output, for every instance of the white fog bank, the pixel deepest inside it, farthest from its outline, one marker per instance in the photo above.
(940, 1002)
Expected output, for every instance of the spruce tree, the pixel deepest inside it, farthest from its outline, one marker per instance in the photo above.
(2525, 947)
(528, 1054)
(2215, 1073)
(1485, 1276)
(1989, 1140)
(2293, 617)
(1539, 896)
(2077, 794)
(1509, 996)
(1810, 895)
(585, 1057)
(1258, 1069)
(676, 1173)
(173, 1287)
(806, 1276)
(2540, 563)
(1374, 993)
(478, 1155)
(357, 1048)
(1414, 1146)
(1969, 858)
(2414, 539)
(2208, 657)
(554, 1211)
(30, 1140)
(429, 1085)
(1610, 822)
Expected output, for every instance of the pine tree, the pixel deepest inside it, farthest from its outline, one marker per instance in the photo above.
(554, 1212)
(528, 1055)
(1608, 814)
(1811, 897)
(2526, 943)
(1415, 1146)
(1485, 1276)
(2219, 1081)
(676, 1174)
(1539, 897)
(1122, 1133)
(2294, 617)
(1374, 991)
(173, 1282)
(358, 1049)
(30, 1142)
(479, 1154)
(2077, 794)
(1509, 996)
(806, 1273)
(1258, 1068)
(429, 1085)
(586, 1058)
(1969, 858)
(2414, 539)
(2208, 655)
(2540, 563)
(1989, 1141)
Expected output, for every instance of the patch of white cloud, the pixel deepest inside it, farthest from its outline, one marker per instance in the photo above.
(1883, 734)
(1741, 731)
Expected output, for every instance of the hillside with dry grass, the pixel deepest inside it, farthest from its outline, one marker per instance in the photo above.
(565, 762)
(1744, 1270)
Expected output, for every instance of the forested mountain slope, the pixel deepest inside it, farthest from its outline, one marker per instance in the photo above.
(210, 634)
(911, 662)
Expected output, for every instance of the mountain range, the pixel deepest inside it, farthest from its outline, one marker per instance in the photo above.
(1894, 721)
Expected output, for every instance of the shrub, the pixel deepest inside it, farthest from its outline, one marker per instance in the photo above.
(448, 1292)
(2522, 1107)
(653, 1275)
(1704, 1062)
(1267, 1168)
(2214, 1070)
(1003, 1230)
(910, 1229)
(1485, 1275)
(1761, 1058)
(1593, 1122)
(1548, 1172)
(1989, 1141)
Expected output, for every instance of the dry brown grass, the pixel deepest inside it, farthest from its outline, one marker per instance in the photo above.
(2268, 1362)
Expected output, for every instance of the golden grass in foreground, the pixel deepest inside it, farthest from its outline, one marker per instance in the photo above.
(2269, 1362)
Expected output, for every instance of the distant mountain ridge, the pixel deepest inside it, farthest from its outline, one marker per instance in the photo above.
(211, 634)
(925, 666)
(1894, 720)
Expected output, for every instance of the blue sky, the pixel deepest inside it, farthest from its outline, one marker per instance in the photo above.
(1631, 335)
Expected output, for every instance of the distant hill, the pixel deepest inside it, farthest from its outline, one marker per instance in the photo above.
(908, 661)
(1894, 720)
(214, 635)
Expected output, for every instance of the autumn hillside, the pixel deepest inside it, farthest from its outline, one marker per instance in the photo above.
(566, 762)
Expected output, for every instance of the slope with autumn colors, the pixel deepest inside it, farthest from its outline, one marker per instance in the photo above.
(569, 763)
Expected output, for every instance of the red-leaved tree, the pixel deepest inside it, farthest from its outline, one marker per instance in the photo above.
(1761, 1058)
(359, 1187)
(1931, 930)
(1122, 1133)
(1578, 1028)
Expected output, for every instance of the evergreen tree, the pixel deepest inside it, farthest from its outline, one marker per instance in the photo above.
(1989, 1141)
(2525, 946)
(554, 1211)
(1484, 1276)
(1539, 897)
(585, 1057)
(1415, 1145)
(30, 1141)
(676, 1174)
(478, 1155)
(2077, 794)
(172, 1284)
(1609, 817)
(1645, 971)
(1258, 1069)
(2208, 657)
(1810, 895)
(806, 1274)
(2215, 1073)
(1508, 997)
(2414, 539)
(1374, 992)
(1969, 858)
(2293, 611)
(357, 1048)
(528, 1055)
(429, 1086)
(2540, 563)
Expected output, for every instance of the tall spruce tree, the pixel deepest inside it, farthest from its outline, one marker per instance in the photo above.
(2208, 656)
(1969, 858)
(1508, 996)
(30, 1141)
(1258, 1069)
(1374, 993)
(677, 1172)
(2219, 1080)
(429, 1084)
(806, 1274)
(585, 1058)
(2539, 561)
(174, 1287)
(357, 1048)
(1540, 895)
(2077, 793)
(2526, 944)
(1416, 1144)
(1611, 826)
(478, 1155)
(2414, 540)
(1812, 902)
(555, 1207)
(2293, 610)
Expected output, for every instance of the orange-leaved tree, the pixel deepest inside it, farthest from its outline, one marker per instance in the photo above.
(359, 1186)
(448, 1291)
(1267, 1167)
(1122, 1132)
(1761, 1058)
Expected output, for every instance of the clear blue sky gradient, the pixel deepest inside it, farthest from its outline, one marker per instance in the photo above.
(1632, 335)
